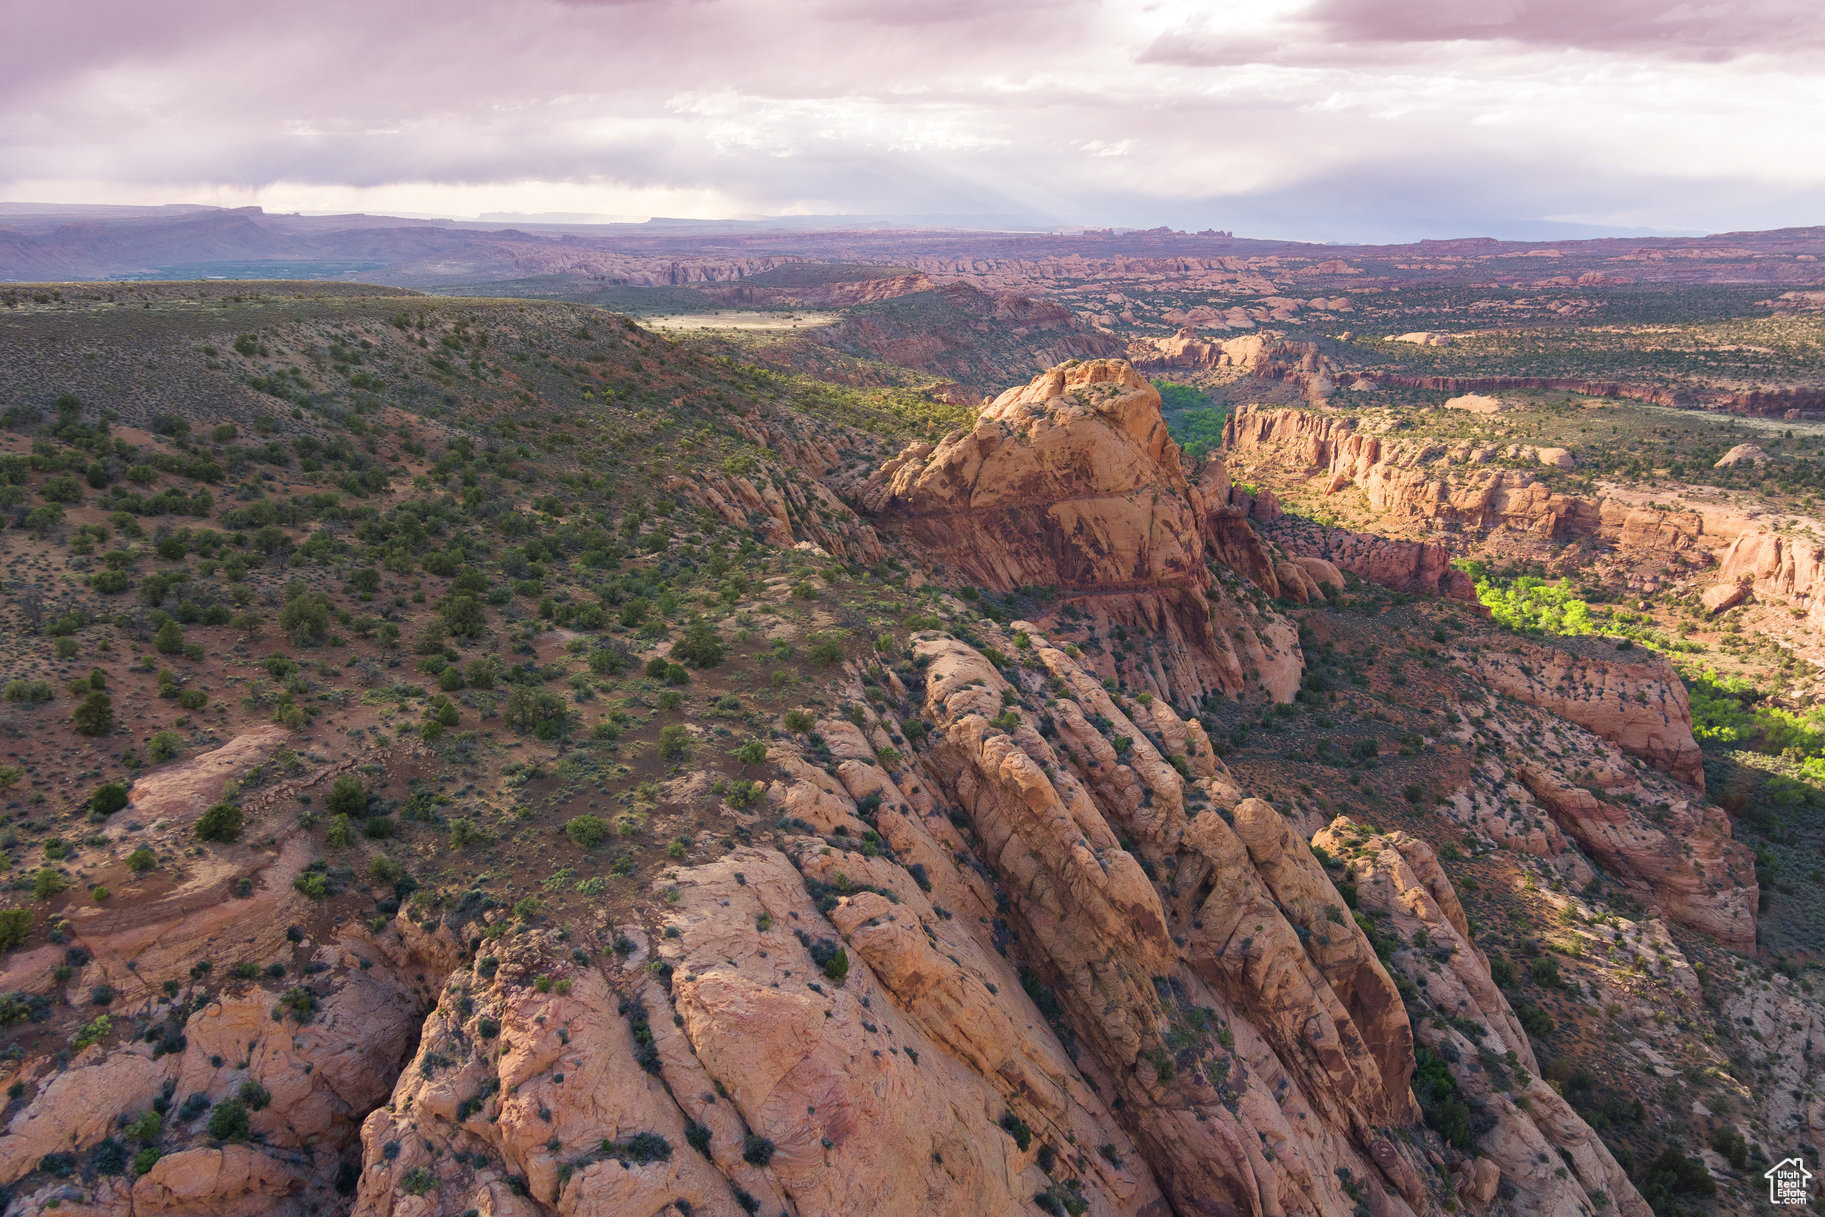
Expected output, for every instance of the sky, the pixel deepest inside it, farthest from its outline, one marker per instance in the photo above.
(1346, 120)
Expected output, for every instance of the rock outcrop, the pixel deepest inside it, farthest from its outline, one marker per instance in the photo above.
(1048, 959)
(316, 1031)
(1408, 566)
(1537, 1145)
(1263, 356)
(1682, 859)
(1072, 482)
(1751, 453)
(1779, 569)
(1638, 702)
(1439, 483)
(1060, 944)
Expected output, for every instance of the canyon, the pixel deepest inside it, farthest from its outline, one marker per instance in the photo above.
(976, 810)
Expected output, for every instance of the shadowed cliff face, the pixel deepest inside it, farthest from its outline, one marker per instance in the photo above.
(1071, 483)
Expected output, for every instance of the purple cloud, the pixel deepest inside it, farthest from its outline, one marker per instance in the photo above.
(1077, 110)
(1702, 31)
(1355, 31)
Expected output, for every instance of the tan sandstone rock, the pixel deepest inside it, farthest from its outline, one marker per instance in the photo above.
(1721, 596)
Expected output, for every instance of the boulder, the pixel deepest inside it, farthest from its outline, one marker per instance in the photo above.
(1721, 596)
(1751, 453)
(1557, 458)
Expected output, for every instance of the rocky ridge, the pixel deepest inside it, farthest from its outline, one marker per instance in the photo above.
(1192, 1002)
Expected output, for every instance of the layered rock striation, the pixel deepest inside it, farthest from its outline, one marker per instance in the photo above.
(1080, 972)
(1634, 699)
(1440, 484)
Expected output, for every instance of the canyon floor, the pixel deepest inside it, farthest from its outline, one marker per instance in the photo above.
(484, 756)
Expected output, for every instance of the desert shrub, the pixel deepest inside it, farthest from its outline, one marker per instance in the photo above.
(28, 692)
(587, 832)
(1534, 1020)
(15, 928)
(347, 797)
(95, 716)
(299, 1002)
(230, 1121)
(164, 745)
(640, 1148)
(305, 617)
(1675, 1185)
(92, 1032)
(539, 711)
(109, 799)
(465, 832)
(701, 646)
(1731, 1143)
(220, 823)
(674, 742)
(1444, 1108)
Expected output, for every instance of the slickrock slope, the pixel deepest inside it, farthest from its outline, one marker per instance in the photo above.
(1475, 1033)
(785, 499)
(1682, 860)
(1574, 800)
(1071, 482)
(1070, 976)
(308, 1057)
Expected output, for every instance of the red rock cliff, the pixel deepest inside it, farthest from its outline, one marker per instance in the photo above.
(1072, 482)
